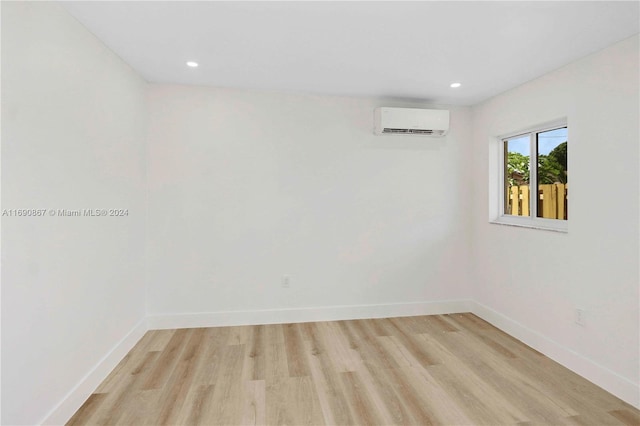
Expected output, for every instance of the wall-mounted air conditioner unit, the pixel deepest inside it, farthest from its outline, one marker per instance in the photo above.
(411, 121)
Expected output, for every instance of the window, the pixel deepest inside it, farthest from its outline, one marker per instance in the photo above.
(534, 179)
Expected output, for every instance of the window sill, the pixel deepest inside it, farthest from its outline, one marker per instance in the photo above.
(533, 223)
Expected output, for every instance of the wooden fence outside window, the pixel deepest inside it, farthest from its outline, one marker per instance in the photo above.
(552, 200)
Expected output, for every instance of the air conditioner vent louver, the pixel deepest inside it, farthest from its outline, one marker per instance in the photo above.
(413, 131)
(411, 121)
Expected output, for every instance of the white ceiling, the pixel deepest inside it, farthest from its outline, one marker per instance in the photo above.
(383, 49)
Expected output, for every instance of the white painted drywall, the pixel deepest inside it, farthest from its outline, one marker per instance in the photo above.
(538, 278)
(248, 186)
(73, 118)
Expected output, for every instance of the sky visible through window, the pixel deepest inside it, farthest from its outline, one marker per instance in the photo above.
(547, 141)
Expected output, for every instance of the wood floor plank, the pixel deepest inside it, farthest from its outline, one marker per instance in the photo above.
(225, 407)
(213, 350)
(166, 362)
(488, 364)
(197, 404)
(370, 348)
(410, 342)
(363, 410)
(296, 359)
(360, 336)
(628, 417)
(276, 367)
(177, 387)
(452, 369)
(88, 409)
(255, 355)
(239, 335)
(377, 327)
(444, 408)
(584, 397)
(399, 395)
(599, 419)
(128, 384)
(483, 329)
(131, 385)
(471, 320)
(414, 410)
(159, 339)
(254, 403)
(146, 344)
(341, 345)
(293, 401)
(141, 409)
(325, 377)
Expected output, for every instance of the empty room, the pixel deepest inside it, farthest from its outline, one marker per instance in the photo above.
(320, 213)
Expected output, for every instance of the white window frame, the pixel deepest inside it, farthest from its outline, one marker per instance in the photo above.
(531, 221)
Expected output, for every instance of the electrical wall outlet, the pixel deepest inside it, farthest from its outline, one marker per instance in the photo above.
(579, 316)
(285, 281)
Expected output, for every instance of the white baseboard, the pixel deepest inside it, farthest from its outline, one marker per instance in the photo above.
(608, 380)
(79, 394)
(325, 313)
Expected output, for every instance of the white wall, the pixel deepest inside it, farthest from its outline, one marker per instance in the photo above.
(538, 278)
(247, 186)
(72, 137)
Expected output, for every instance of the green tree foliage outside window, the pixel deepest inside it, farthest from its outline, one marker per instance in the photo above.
(517, 169)
(552, 168)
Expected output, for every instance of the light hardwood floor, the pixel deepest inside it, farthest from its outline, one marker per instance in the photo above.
(443, 369)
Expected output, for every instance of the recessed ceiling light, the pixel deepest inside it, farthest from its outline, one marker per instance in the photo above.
(192, 64)
(454, 85)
